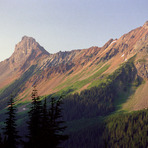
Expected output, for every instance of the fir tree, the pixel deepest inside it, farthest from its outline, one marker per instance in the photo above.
(10, 131)
(1, 142)
(45, 117)
(34, 124)
(52, 130)
(56, 124)
(45, 128)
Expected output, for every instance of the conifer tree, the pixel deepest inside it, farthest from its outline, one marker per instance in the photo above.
(1, 142)
(45, 127)
(34, 124)
(52, 130)
(55, 122)
(10, 131)
(45, 117)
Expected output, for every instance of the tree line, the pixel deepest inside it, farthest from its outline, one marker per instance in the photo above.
(101, 100)
(45, 126)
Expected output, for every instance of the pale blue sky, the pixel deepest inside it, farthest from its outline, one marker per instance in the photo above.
(67, 24)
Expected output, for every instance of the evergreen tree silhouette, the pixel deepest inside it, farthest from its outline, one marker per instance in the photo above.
(45, 126)
(10, 131)
(45, 117)
(1, 142)
(34, 124)
(56, 123)
(52, 131)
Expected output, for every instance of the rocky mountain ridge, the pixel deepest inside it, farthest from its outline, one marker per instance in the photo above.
(62, 70)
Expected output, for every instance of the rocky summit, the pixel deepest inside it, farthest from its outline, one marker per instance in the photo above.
(25, 49)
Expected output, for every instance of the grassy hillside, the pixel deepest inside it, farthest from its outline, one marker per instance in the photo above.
(92, 111)
(74, 84)
(15, 87)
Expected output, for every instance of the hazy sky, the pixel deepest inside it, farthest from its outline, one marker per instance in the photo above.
(67, 24)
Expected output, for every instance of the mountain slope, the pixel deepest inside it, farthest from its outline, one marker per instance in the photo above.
(76, 70)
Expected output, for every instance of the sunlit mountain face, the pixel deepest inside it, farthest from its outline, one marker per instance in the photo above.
(96, 82)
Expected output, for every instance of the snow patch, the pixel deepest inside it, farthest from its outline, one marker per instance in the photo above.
(122, 55)
(125, 60)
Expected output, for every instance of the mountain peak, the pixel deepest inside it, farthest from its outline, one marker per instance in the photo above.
(27, 47)
(145, 25)
(26, 38)
(26, 43)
